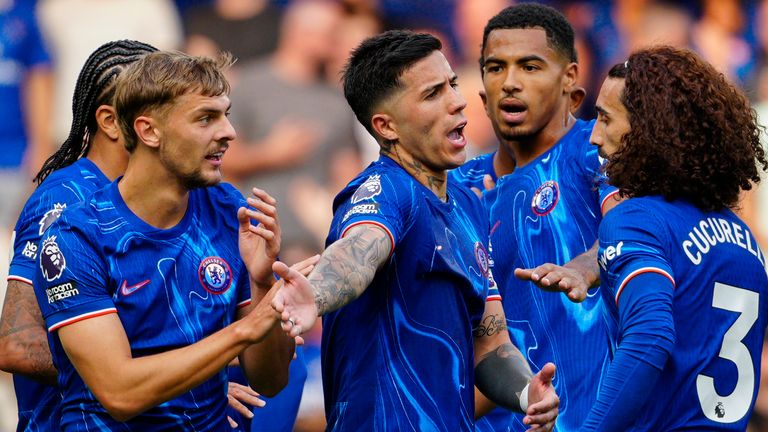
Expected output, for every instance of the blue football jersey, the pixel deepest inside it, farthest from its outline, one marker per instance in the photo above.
(170, 288)
(548, 211)
(471, 173)
(400, 357)
(711, 378)
(39, 403)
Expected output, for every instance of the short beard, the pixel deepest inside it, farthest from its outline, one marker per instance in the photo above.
(195, 180)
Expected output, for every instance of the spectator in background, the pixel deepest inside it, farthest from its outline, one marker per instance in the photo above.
(353, 29)
(75, 28)
(664, 22)
(25, 89)
(295, 130)
(718, 36)
(246, 28)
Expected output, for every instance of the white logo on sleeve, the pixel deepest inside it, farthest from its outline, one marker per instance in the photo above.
(30, 250)
(50, 216)
(608, 254)
(368, 190)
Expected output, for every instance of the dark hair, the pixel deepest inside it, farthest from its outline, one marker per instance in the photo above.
(95, 87)
(533, 15)
(693, 135)
(157, 79)
(376, 65)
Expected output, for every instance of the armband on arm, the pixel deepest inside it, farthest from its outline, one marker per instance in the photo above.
(503, 376)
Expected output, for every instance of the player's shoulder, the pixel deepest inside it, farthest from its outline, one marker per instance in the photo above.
(222, 191)
(63, 189)
(79, 179)
(576, 142)
(472, 171)
(477, 163)
(633, 207)
(382, 179)
(221, 200)
(638, 213)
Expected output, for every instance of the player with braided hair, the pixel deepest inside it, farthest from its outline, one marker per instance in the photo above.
(95, 87)
(92, 156)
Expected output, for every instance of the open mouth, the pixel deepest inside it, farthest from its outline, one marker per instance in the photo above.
(456, 135)
(215, 157)
(513, 110)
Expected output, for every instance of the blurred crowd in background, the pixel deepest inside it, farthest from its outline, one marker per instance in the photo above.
(296, 136)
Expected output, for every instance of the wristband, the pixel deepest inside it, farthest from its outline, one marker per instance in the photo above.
(524, 398)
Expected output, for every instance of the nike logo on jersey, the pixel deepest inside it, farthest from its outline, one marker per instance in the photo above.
(128, 290)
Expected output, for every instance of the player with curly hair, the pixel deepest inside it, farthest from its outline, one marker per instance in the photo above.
(683, 278)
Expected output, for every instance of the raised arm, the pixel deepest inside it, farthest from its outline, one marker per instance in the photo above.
(23, 340)
(503, 375)
(345, 270)
(265, 364)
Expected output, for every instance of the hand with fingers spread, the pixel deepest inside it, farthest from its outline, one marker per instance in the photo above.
(259, 244)
(238, 396)
(551, 277)
(543, 402)
(295, 301)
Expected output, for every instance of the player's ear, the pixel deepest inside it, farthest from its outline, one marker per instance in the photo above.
(384, 126)
(147, 131)
(106, 119)
(570, 76)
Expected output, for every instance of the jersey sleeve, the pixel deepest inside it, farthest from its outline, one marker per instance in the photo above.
(631, 243)
(381, 200)
(71, 281)
(42, 209)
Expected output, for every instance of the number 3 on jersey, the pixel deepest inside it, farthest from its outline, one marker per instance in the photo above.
(731, 408)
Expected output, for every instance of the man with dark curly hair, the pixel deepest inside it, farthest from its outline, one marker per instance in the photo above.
(684, 281)
(544, 215)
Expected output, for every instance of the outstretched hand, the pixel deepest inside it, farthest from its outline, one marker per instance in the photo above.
(259, 244)
(543, 402)
(551, 277)
(295, 301)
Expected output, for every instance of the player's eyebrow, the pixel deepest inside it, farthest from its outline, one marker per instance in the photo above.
(209, 109)
(439, 85)
(530, 58)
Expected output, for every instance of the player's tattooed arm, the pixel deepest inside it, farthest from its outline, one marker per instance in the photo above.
(23, 338)
(490, 325)
(348, 266)
(343, 273)
(503, 376)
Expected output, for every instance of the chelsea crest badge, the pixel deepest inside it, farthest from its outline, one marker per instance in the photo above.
(545, 198)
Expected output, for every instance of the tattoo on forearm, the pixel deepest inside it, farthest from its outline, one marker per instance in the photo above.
(348, 267)
(490, 325)
(22, 332)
